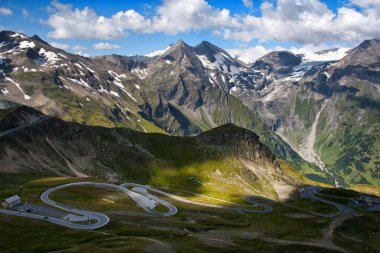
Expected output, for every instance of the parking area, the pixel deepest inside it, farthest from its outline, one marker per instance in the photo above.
(41, 210)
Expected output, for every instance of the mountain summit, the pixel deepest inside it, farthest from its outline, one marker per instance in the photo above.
(183, 90)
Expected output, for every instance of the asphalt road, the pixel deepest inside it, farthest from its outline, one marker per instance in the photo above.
(140, 194)
(309, 193)
(267, 208)
(144, 200)
(19, 128)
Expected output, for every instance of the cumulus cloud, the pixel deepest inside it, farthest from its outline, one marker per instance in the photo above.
(105, 46)
(78, 48)
(25, 13)
(301, 21)
(249, 54)
(60, 45)
(305, 21)
(248, 4)
(366, 3)
(194, 15)
(86, 24)
(82, 54)
(5, 11)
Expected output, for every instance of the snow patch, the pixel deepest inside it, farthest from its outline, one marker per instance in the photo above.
(64, 56)
(92, 71)
(49, 56)
(5, 91)
(118, 83)
(26, 97)
(126, 92)
(80, 81)
(18, 35)
(141, 73)
(78, 65)
(102, 90)
(114, 93)
(234, 89)
(26, 44)
(219, 63)
(157, 52)
(3, 44)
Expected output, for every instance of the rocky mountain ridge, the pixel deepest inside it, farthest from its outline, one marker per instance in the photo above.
(186, 90)
(72, 149)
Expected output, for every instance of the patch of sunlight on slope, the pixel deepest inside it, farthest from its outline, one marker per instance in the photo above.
(296, 175)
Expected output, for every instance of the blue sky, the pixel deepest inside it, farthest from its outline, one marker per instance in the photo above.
(243, 26)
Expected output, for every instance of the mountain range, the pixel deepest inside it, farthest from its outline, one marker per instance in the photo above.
(323, 117)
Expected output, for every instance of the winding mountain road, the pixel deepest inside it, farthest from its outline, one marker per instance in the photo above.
(19, 128)
(140, 194)
(309, 193)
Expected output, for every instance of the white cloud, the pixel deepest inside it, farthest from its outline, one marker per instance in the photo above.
(194, 15)
(24, 13)
(60, 45)
(249, 54)
(105, 46)
(69, 23)
(248, 4)
(305, 21)
(5, 11)
(301, 21)
(86, 24)
(78, 48)
(82, 54)
(365, 3)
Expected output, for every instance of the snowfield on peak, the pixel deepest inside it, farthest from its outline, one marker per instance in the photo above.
(326, 55)
(158, 52)
(218, 64)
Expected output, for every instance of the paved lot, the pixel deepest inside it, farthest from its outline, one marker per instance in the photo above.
(42, 210)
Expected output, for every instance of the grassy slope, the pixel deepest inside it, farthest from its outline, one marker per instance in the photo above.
(78, 109)
(193, 229)
(351, 151)
(96, 113)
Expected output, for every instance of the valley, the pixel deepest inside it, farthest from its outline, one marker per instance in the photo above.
(188, 149)
(222, 190)
(185, 90)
